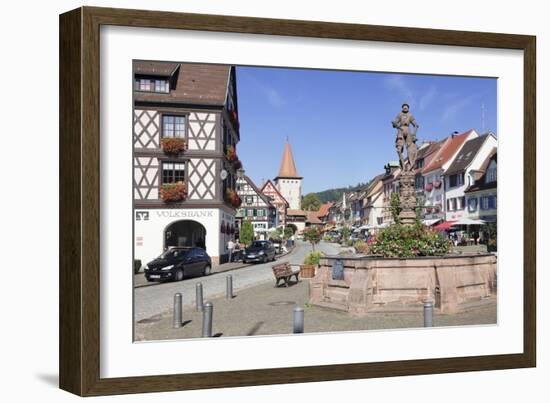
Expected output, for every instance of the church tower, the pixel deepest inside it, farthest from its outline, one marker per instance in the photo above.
(288, 182)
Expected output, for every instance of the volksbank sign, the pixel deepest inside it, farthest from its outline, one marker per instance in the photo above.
(145, 215)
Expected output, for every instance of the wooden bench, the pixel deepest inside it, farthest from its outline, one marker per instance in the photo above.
(284, 272)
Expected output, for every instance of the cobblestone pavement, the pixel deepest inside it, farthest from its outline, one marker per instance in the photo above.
(266, 310)
(150, 301)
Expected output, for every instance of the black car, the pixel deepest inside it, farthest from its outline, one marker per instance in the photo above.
(177, 263)
(259, 251)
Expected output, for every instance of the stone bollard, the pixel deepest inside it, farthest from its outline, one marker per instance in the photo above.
(178, 311)
(198, 297)
(229, 286)
(428, 314)
(298, 323)
(207, 315)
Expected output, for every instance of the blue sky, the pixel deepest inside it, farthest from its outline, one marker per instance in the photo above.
(339, 123)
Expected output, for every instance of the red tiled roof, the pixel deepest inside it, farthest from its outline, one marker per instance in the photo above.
(312, 217)
(291, 212)
(450, 146)
(323, 210)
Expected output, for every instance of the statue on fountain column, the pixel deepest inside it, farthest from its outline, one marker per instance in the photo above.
(407, 127)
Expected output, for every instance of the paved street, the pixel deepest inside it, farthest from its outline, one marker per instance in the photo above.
(269, 311)
(151, 301)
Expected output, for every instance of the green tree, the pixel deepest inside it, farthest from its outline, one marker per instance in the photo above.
(281, 234)
(246, 235)
(311, 202)
(312, 235)
(395, 207)
(345, 234)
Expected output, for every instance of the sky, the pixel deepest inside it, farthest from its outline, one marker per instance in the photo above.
(338, 123)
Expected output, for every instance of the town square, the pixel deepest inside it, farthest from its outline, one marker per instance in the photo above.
(264, 208)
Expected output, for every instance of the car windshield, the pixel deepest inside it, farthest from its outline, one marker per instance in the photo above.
(172, 253)
(258, 244)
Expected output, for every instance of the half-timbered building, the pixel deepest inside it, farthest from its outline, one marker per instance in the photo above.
(277, 199)
(256, 208)
(185, 131)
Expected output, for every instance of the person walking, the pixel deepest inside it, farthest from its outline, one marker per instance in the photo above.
(230, 247)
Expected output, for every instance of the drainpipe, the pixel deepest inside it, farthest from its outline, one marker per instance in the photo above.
(444, 198)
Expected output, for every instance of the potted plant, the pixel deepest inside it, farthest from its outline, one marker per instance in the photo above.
(173, 192)
(233, 198)
(231, 154)
(173, 145)
(307, 269)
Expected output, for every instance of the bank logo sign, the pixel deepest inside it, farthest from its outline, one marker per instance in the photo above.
(142, 216)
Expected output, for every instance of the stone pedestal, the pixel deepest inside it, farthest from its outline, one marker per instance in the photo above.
(407, 197)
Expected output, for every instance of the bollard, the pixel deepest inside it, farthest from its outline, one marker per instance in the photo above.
(229, 286)
(207, 314)
(428, 314)
(178, 314)
(298, 325)
(198, 297)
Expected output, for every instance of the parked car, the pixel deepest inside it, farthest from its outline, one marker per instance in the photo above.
(259, 251)
(177, 263)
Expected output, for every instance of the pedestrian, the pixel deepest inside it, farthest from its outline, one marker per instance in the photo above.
(230, 247)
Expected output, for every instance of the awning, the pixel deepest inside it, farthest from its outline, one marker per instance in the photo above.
(444, 226)
(431, 222)
(468, 221)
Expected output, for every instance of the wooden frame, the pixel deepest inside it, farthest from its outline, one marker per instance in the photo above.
(79, 200)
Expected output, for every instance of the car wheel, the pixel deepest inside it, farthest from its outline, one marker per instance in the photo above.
(264, 260)
(207, 270)
(179, 275)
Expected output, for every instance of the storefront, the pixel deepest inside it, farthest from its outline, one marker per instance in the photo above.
(159, 229)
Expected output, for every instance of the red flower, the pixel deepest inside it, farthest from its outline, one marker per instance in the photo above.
(173, 192)
(173, 145)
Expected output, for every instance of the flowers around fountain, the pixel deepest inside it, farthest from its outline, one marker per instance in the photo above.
(409, 241)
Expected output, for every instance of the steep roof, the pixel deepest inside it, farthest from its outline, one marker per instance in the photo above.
(450, 146)
(288, 167)
(466, 155)
(258, 192)
(313, 218)
(481, 184)
(272, 186)
(323, 210)
(195, 84)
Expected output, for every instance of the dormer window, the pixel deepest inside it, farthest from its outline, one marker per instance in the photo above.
(148, 84)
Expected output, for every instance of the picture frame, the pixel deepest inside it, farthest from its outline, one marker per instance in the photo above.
(80, 154)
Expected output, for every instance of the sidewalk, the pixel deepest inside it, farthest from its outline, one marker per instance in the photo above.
(266, 310)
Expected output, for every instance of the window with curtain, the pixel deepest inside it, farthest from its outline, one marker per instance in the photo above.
(173, 126)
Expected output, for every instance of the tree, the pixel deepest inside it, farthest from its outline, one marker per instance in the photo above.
(311, 202)
(281, 234)
(246, 235)
(312, 235)
(395, 207)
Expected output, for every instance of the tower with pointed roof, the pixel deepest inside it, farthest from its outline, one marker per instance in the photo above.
(288, 182)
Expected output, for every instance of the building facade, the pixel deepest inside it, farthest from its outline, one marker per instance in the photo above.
(463, 171)
(481, 197)
(433, 174)
(255, 207)
(185, 132)
(276, 198)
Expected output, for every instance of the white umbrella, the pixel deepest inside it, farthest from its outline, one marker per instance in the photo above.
(468, 221)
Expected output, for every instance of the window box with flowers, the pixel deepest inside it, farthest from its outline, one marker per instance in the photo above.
(173, 192)
(233, 198)
(173, 145)
(231, 154)
(234, 119)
